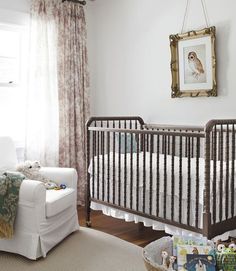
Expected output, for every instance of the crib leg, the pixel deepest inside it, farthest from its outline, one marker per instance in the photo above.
(88, 221)
(88, 211)
(140, 226)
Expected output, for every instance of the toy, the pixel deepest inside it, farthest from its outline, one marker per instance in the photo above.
(171, 264)
(31, 170)
(165, 261)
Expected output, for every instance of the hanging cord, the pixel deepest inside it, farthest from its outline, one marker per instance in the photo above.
(205, 12)
(186, 14)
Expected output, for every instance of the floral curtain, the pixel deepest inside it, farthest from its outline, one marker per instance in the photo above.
(66, 41)
(73, 83)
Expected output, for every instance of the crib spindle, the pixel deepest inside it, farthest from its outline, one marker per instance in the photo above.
(232, 171)
(119, 167)
(144, 172)
(125, 170)
(165, 175)
(221, 171)
(113, 166)
(186, 146)
(103, 165)
(180, 179)
(197, 182)
(157, 175)
(214, 143)
(137, 174)
(108, 166)
(227, 173)
(131, 171)
(189, 183)
(151, 175)
(172, 177)
(93, 162)
(98, 164)
(168, 143)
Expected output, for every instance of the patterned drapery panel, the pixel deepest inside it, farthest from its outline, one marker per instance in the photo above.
(73, 83)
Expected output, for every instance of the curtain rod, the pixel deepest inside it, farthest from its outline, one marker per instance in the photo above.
(75, 1)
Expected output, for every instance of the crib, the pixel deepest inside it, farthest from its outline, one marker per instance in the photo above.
(181, 176)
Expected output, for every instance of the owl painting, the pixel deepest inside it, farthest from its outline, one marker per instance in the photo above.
(195, 65)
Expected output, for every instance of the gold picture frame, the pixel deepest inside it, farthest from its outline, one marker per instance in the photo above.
(193, 63)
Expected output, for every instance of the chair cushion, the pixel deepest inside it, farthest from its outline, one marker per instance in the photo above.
(58, 200)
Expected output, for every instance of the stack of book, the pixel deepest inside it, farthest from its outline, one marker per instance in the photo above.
(193, 254)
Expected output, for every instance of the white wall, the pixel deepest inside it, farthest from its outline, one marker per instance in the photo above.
(14, 11)
(129, 56)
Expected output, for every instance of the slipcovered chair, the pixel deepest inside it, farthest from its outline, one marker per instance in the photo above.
(44, 217)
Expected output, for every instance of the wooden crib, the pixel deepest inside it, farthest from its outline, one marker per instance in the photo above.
(177, 175)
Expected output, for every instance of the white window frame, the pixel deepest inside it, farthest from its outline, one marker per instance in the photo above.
(22, 31)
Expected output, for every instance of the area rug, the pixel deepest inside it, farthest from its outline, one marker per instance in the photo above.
(84, 250)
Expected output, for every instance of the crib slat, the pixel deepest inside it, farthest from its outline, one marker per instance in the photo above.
(192, 147)
(232, 171)
(114, 166)
(180, 179)
(131, 172)
(93, 167)
(189, 183)
(144, 172)
(157, 175)
(172, 177)
(108, 166)
(103, 165)
(119, 166)
(168, 144)
(214, 172)
(165, 176)
(137, 175)
(227, 173)
(221, 171)
(125, 170)
(186, 146)
(197, 182)
(98, 165)
(151, 175)
(146, 142)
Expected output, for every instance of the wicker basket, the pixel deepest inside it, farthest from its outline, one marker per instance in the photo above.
(152, 253)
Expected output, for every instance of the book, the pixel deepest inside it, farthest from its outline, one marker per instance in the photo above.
(200, 262)
(187, 240)
(184, 250)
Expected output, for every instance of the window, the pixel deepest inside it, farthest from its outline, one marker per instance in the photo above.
(10, 52)
(13, 80)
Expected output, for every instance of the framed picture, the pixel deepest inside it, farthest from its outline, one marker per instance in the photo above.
(193, 63)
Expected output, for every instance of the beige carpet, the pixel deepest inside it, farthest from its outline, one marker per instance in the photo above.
(84, 250)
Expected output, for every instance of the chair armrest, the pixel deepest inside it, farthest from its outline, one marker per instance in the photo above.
(32, 192)
(67, 176)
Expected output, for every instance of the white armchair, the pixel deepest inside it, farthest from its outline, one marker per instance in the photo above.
(44, 217)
